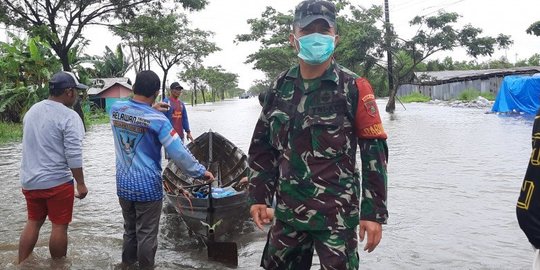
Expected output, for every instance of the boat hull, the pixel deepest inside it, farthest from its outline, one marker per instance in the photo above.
(229, 164)
(228, 212)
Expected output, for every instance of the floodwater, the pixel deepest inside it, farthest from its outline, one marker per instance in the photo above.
(454, 178)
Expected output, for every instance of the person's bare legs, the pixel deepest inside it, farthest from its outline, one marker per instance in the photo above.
(29, 237)
(58, 241)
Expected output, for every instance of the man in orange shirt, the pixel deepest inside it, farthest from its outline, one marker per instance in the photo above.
(177, 114)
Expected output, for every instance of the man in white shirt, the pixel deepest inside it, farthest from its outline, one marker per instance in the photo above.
(51, 161)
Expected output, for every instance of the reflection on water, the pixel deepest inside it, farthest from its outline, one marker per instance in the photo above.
(454, 177)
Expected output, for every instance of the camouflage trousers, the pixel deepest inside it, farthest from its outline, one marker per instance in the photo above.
(287, 248)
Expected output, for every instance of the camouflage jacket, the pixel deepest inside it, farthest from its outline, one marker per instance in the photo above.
(303, 151)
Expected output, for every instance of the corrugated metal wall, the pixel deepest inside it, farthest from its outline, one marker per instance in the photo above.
(452, 90)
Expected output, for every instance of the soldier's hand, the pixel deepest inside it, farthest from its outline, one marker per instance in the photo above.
(374, 234)
(261, 215)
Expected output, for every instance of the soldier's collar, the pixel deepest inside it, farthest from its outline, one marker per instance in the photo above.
(331, 74)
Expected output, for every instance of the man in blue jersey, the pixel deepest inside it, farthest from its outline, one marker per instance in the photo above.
(140, 131)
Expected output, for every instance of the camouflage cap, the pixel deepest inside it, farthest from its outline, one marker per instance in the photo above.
(310, 10)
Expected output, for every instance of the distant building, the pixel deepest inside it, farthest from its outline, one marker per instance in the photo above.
(105, 91)
(447, 85)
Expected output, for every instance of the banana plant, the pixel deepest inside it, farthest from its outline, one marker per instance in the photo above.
(25, 67)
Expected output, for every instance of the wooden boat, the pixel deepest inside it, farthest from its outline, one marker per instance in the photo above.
(229, 165)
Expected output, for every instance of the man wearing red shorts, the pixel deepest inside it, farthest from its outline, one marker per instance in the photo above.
(51, 161)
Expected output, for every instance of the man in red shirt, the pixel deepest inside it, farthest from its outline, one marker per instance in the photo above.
(177, 113)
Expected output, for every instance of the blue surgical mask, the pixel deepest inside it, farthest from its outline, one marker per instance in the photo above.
(315, 48)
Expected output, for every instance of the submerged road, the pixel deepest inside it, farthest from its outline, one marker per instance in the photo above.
(454, 178)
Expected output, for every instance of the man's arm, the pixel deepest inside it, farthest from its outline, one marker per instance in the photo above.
(73, 137)
(178, 153)
(81, 186)
(166, 110)
(263, 172)
(185, 122)
(374, 155)
(373, 152)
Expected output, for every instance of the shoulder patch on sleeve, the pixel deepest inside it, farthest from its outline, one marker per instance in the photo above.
(368, 124)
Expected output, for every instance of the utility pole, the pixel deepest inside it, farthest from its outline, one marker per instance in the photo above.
(388, 47)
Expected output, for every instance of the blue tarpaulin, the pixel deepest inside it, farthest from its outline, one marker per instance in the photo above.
(518, 94)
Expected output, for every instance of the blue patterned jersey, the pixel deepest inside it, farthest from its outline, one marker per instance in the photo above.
(139, 132)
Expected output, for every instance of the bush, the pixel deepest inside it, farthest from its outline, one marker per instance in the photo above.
(10, 132)
(94, 115)
(489, 96)
(469, 95)
(15, 101)
(414, 97)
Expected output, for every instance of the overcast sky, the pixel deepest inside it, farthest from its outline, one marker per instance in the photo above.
(227, 18)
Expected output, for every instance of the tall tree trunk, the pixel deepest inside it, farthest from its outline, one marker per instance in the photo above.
(203, 95)
(63, 55)
(135, 64)
(77, 107)
(192, 97)
(194, 92)
(391, 105)
(165, 73)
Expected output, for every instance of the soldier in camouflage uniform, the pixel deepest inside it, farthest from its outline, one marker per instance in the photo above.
(303, 153)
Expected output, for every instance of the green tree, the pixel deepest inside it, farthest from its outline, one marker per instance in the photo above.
(500, 63)
(534, 60)
(165, 39)
(361, 40)
(362, 46)
(200, 47)
(449, 64)
(534, 29)
(220, 82)
(61, 23)
(134, 34)
(359, 46)
(187, 47)
(111, 64)
(192, 75)
(257, 88)
(25, 68)
(435, 34)
(272, 31)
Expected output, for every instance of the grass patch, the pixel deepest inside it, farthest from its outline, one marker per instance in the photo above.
(469, 94)
(489, 96)
(414, 97)
(10, 132)
(96, 118)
